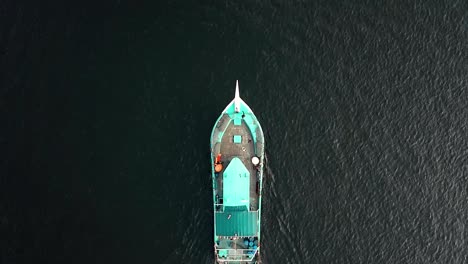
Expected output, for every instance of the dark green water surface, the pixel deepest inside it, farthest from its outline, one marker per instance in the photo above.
(107, 111)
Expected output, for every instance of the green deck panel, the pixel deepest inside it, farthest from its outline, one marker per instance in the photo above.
(237, 122)
(236, 223)
(236, 184)
(237, 139)
(223, 253)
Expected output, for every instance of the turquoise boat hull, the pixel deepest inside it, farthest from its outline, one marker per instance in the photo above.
(237, 158)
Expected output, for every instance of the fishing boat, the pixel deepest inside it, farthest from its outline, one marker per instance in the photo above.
(237, 158)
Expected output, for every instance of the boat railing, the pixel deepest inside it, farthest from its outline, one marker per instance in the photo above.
(220, 209)
(227, 255)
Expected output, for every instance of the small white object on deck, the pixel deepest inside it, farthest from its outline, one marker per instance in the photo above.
(255, 160)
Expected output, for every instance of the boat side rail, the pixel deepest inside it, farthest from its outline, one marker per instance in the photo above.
(228, 255)
(221, 210)
(219, 207)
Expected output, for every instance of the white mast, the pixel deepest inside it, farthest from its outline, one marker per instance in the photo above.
(237, 98)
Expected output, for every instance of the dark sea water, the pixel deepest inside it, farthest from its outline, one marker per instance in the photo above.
(107, 110)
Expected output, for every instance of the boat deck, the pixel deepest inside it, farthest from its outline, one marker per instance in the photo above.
(236, 249)
(244, 150)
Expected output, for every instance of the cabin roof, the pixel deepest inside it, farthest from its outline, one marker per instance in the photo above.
(237, 223)
(236, 184)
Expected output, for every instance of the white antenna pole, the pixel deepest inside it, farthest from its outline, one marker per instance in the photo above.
(237, 98)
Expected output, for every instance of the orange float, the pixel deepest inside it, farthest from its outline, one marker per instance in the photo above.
(218, 167)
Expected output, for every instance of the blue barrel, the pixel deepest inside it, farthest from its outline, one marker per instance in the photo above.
(251, 243)
(255, 247)
(251, 239)
(246, 242)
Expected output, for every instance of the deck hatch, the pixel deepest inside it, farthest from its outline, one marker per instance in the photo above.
(237, 139)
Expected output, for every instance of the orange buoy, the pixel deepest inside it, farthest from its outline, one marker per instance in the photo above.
(218, 167)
